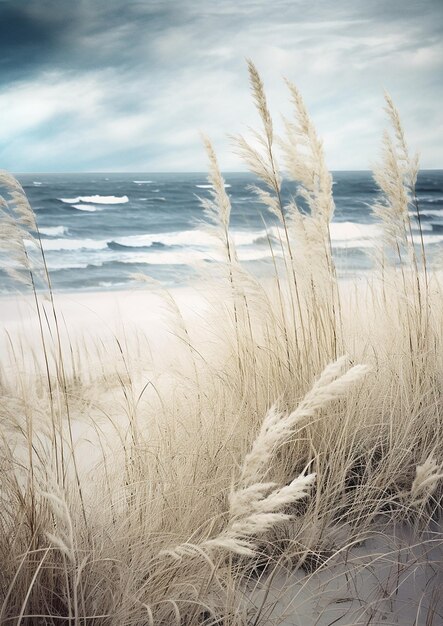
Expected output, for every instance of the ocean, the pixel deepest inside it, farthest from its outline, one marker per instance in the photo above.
(99, 229)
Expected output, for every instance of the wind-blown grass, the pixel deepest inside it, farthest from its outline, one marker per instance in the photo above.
(193, 492)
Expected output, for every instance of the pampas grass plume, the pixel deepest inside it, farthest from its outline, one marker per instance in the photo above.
(427, 477)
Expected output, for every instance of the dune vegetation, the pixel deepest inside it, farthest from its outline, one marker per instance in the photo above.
(297, 428)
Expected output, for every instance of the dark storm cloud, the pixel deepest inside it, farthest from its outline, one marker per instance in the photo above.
(27, 39)
(76, 36)
(81, 35)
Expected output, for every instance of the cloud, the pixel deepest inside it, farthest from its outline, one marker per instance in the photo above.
(129, 85)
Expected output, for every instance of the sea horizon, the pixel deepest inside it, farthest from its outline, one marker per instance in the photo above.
(205, 172)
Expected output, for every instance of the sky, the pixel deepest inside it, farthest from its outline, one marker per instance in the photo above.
(121, 85)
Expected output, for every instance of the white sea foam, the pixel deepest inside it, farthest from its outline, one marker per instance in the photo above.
(190, 238)
(256, 255)
(106, 284)
(89, 208)
(207, 186)
(96, 199)
(432, 212)
(54, 231)
(351, 231)
(37, 183)
(55, 266)
(424, 225)
(369, 243)
(188, 257)
(245, 238)
(70, 200)
(431, 239)
(353, 243)
(196, 237)
(143, 182)
(352, 234)
(430, 199)
(73, 244)
(169, 257)
(343, 234)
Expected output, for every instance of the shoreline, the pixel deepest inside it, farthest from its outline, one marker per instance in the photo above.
(144, 307)
(97, 303)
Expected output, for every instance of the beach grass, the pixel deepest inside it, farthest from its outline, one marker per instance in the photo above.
(281, 444)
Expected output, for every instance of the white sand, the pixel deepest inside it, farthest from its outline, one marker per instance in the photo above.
(99, 312)
(394, 578)
(95, 325)
(97, 316)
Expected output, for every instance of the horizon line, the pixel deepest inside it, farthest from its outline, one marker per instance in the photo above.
(204, 172)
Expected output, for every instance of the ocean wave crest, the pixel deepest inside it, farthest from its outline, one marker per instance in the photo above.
(351, 231)
(196, 237)
(113, 245)
(54, 231)
(432, 213)
(208, 186)
(430, 200)
(96, 199)
(73, 244)
(88, 208)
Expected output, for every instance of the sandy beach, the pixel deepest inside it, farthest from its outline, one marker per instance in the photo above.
(100, 311)
(100, 317)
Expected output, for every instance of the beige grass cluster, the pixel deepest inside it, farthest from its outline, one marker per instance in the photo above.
(192, 490)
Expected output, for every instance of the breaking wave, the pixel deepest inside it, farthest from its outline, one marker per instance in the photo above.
(208, 186)
(54, 231)
(96, 199)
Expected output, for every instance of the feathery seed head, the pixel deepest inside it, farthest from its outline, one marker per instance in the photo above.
(258, 92)
(426, 480)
